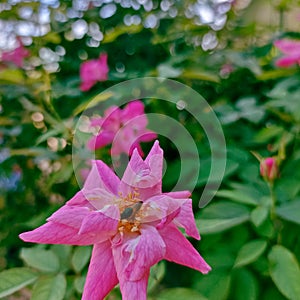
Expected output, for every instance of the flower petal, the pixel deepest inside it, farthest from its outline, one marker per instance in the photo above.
(101, 222)
(181, 251)
(71, 216)
(132, 110)
(102, 276)
(155, 160)
(101, 176)
(138, 253)
(179, 194)
(99, 198)
(287, 61)
(185, 219)
(55, 233)
(102, 139)
(136, 290)
(160, 210)
(144, 175)
(136, 174)
(288, 46)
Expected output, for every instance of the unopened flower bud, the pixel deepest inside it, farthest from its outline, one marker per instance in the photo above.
(269, 168)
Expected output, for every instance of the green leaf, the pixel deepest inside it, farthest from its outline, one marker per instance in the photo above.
(12, 76)
(285, 271)
(79, 284)
(92, 102)
(50, 288)
(220, 216)
(250, 252)
(259, 215)
(113, 34)
(63, 252)
(15, 279)
(245, 286)
(180, 293)
(215, 285)
(224, 210)
(290, 211)
(61, 175)
(238, 196)
(43, 260)
(50, 133)
(209, 226)
(200, 75)
(81, 257)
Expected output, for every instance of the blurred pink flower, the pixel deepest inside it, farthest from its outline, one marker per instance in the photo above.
(226, 69)
(291, 49)
(15, 56)
(92, 71)
(269, 168)
(132, 224)
(125, 128)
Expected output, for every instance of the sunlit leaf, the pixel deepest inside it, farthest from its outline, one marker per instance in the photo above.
(290, 211)
(50, 288)
(250, 252)
(43, 260)
(285, 271)
(81, 257)
(14, 279)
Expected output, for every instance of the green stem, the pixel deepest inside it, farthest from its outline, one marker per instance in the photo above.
(273, 201)
(278, 226)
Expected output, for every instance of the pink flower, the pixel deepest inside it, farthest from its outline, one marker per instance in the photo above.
(291, 49)
(92, 71)
(125, 128)
(15, 56)
(269, 168)
(130, 222)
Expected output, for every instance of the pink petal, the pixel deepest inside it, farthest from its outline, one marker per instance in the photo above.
(112, 119)
(132, 110)
(147, 136)
(96, 121)
(101, 222)
(78, 200)
(138, 253)
(146, 176)
(136, 172)
(136, 290)
(101, 176)
(138, 147)
(161, 210)
(287, 61)
(288, 46)
(102, 139)
(99, 198)
(181, 251)
(72, 216)
(55, 233)
(179, 194)
(155, 161)
(101, 277)
(185, 219)
(123, 141)
(87, 85)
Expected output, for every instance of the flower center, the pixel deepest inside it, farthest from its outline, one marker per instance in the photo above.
(130, 207)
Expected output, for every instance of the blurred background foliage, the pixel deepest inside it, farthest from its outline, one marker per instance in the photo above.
(222, 49)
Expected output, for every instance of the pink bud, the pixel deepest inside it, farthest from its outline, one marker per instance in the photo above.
(269, 168)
